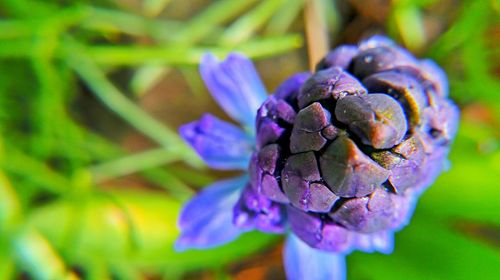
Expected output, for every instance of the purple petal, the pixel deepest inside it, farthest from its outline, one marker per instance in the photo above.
(220, 144)
(304, 262)
(207, 220)
(269, 132)
(235, 85)
(436, 76)
(379, 211)
(380, 58)
(341, 57)
(441, 121)
(289, 89)
(256, 211)
(319, 233)
(382, 241)
(405, 162)
(431, 167)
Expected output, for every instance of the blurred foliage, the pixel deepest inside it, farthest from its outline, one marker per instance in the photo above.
(77, 203)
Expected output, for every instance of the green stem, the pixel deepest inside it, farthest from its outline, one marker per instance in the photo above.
(113, 20)
(160, 55)
(170, 182)
(245, 26)
(7, 266)
(168, 55)
(77, 58)
(133, 163)
(203, 23)
(23, 165)
(284, 18)
(10, 207)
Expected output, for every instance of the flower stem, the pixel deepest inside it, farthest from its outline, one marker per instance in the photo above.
(133, 163)
(75, 55)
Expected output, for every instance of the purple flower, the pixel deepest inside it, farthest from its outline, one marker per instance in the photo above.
(336, 159)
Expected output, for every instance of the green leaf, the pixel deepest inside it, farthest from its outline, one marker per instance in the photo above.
(202, 24)
(428, 249)
(146, 77)
(133, 163)
(7, 267)
(409, 22)
(134, 228)
(154, 7)
(76, 57)
(9, 205)
(36, 255)
(245, 26)
(170, 181)
(263, 48)
(116, 21)
(47, 179)
(284, 18)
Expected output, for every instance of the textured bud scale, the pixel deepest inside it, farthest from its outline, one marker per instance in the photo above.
(345, 151)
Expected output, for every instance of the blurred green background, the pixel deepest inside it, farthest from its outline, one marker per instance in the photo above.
(93, 173)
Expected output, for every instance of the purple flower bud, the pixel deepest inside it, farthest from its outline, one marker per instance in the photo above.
(350, 148)
(340, 155)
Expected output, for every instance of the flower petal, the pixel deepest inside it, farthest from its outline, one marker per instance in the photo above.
(221, 145)
(304, 262)
(207, 220)
(235, 85)
(437, 77)
(289, 89)
(382, 242)
(341, 57)
(256, 211)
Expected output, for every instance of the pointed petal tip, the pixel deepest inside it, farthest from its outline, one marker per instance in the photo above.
(180, 245)
(305, 262)
(186, 131)
(235, 84)
(207, 59)
(379, 242)
(183, 244)
(206, 221)
(220, 144)
(238, 56)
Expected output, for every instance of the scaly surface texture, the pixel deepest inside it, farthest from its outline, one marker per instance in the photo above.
(343, 153)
